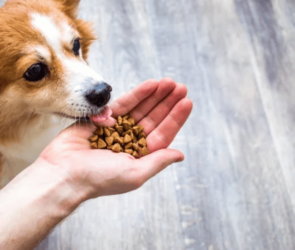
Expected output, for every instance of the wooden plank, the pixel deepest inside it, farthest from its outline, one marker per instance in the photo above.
(237, 165)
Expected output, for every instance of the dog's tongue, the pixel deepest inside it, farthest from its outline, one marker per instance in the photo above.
(104, 115)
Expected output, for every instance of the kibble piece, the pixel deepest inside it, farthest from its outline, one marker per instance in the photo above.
(127, 132)
(109, 147)
(144, 151)
(107, 132)
(129, 145)
(131, 133)
(93, 138)
(115, 134)
(134, 139)
(99, 131)
(127, 139)
(112, 130)
(125, 117)
(110, 140)
(120, 129)
(94, 145)
(129, 151)
(135, 154)
(120, 120)
(131, 121)
(126, 125)
(136, 147)
(141, 128)
(141, 135)
(118, 139)
(136, 130)
(142, 142)
(117, 148)
(101, 144)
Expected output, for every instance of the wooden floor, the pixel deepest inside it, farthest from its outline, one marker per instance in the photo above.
(236, 188)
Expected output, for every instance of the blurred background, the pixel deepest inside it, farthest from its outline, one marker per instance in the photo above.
(236, 188)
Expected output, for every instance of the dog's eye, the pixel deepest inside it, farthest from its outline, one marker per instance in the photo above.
(77, 47)
(36, 72)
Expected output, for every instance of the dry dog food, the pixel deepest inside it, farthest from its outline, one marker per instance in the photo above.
(125, 136)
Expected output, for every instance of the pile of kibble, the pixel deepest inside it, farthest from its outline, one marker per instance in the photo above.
(125, 136)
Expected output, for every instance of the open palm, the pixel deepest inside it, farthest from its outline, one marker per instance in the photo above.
(160, 106)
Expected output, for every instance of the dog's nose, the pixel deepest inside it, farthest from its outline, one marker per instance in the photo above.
(100, 95)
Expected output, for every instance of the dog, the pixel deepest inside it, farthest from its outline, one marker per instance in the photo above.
(44, 77)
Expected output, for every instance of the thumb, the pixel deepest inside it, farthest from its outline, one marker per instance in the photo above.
(79, 129)
(154, 163)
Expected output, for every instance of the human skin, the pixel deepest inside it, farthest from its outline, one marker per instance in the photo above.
(68, 172)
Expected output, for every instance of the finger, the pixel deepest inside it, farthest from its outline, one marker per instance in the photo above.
(166, 86)
(150, 165)
(164, 134)
(127, 102)
(158, 114)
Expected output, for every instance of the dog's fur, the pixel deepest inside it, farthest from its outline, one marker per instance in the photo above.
(32, 31)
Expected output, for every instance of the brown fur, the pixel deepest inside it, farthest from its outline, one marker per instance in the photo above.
(17, 96)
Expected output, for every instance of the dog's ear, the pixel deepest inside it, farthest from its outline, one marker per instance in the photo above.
(69, 7)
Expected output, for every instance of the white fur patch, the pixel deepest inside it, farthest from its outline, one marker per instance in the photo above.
(55, 33)
(48, 28)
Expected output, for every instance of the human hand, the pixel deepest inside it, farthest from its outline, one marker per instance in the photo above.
(160, 106)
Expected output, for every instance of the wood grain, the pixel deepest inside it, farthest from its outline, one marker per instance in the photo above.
(235, 188)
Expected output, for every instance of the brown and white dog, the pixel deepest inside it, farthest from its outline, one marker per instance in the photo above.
(43, 76)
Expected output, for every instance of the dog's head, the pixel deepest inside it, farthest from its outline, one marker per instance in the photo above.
(43, 69)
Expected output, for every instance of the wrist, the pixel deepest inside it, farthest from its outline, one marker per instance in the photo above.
(46, 185)
(58, 186)
(34, 203)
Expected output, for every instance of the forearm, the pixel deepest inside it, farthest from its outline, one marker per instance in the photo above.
(33, 204)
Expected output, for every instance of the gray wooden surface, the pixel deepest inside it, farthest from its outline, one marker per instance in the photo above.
(236, 188)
